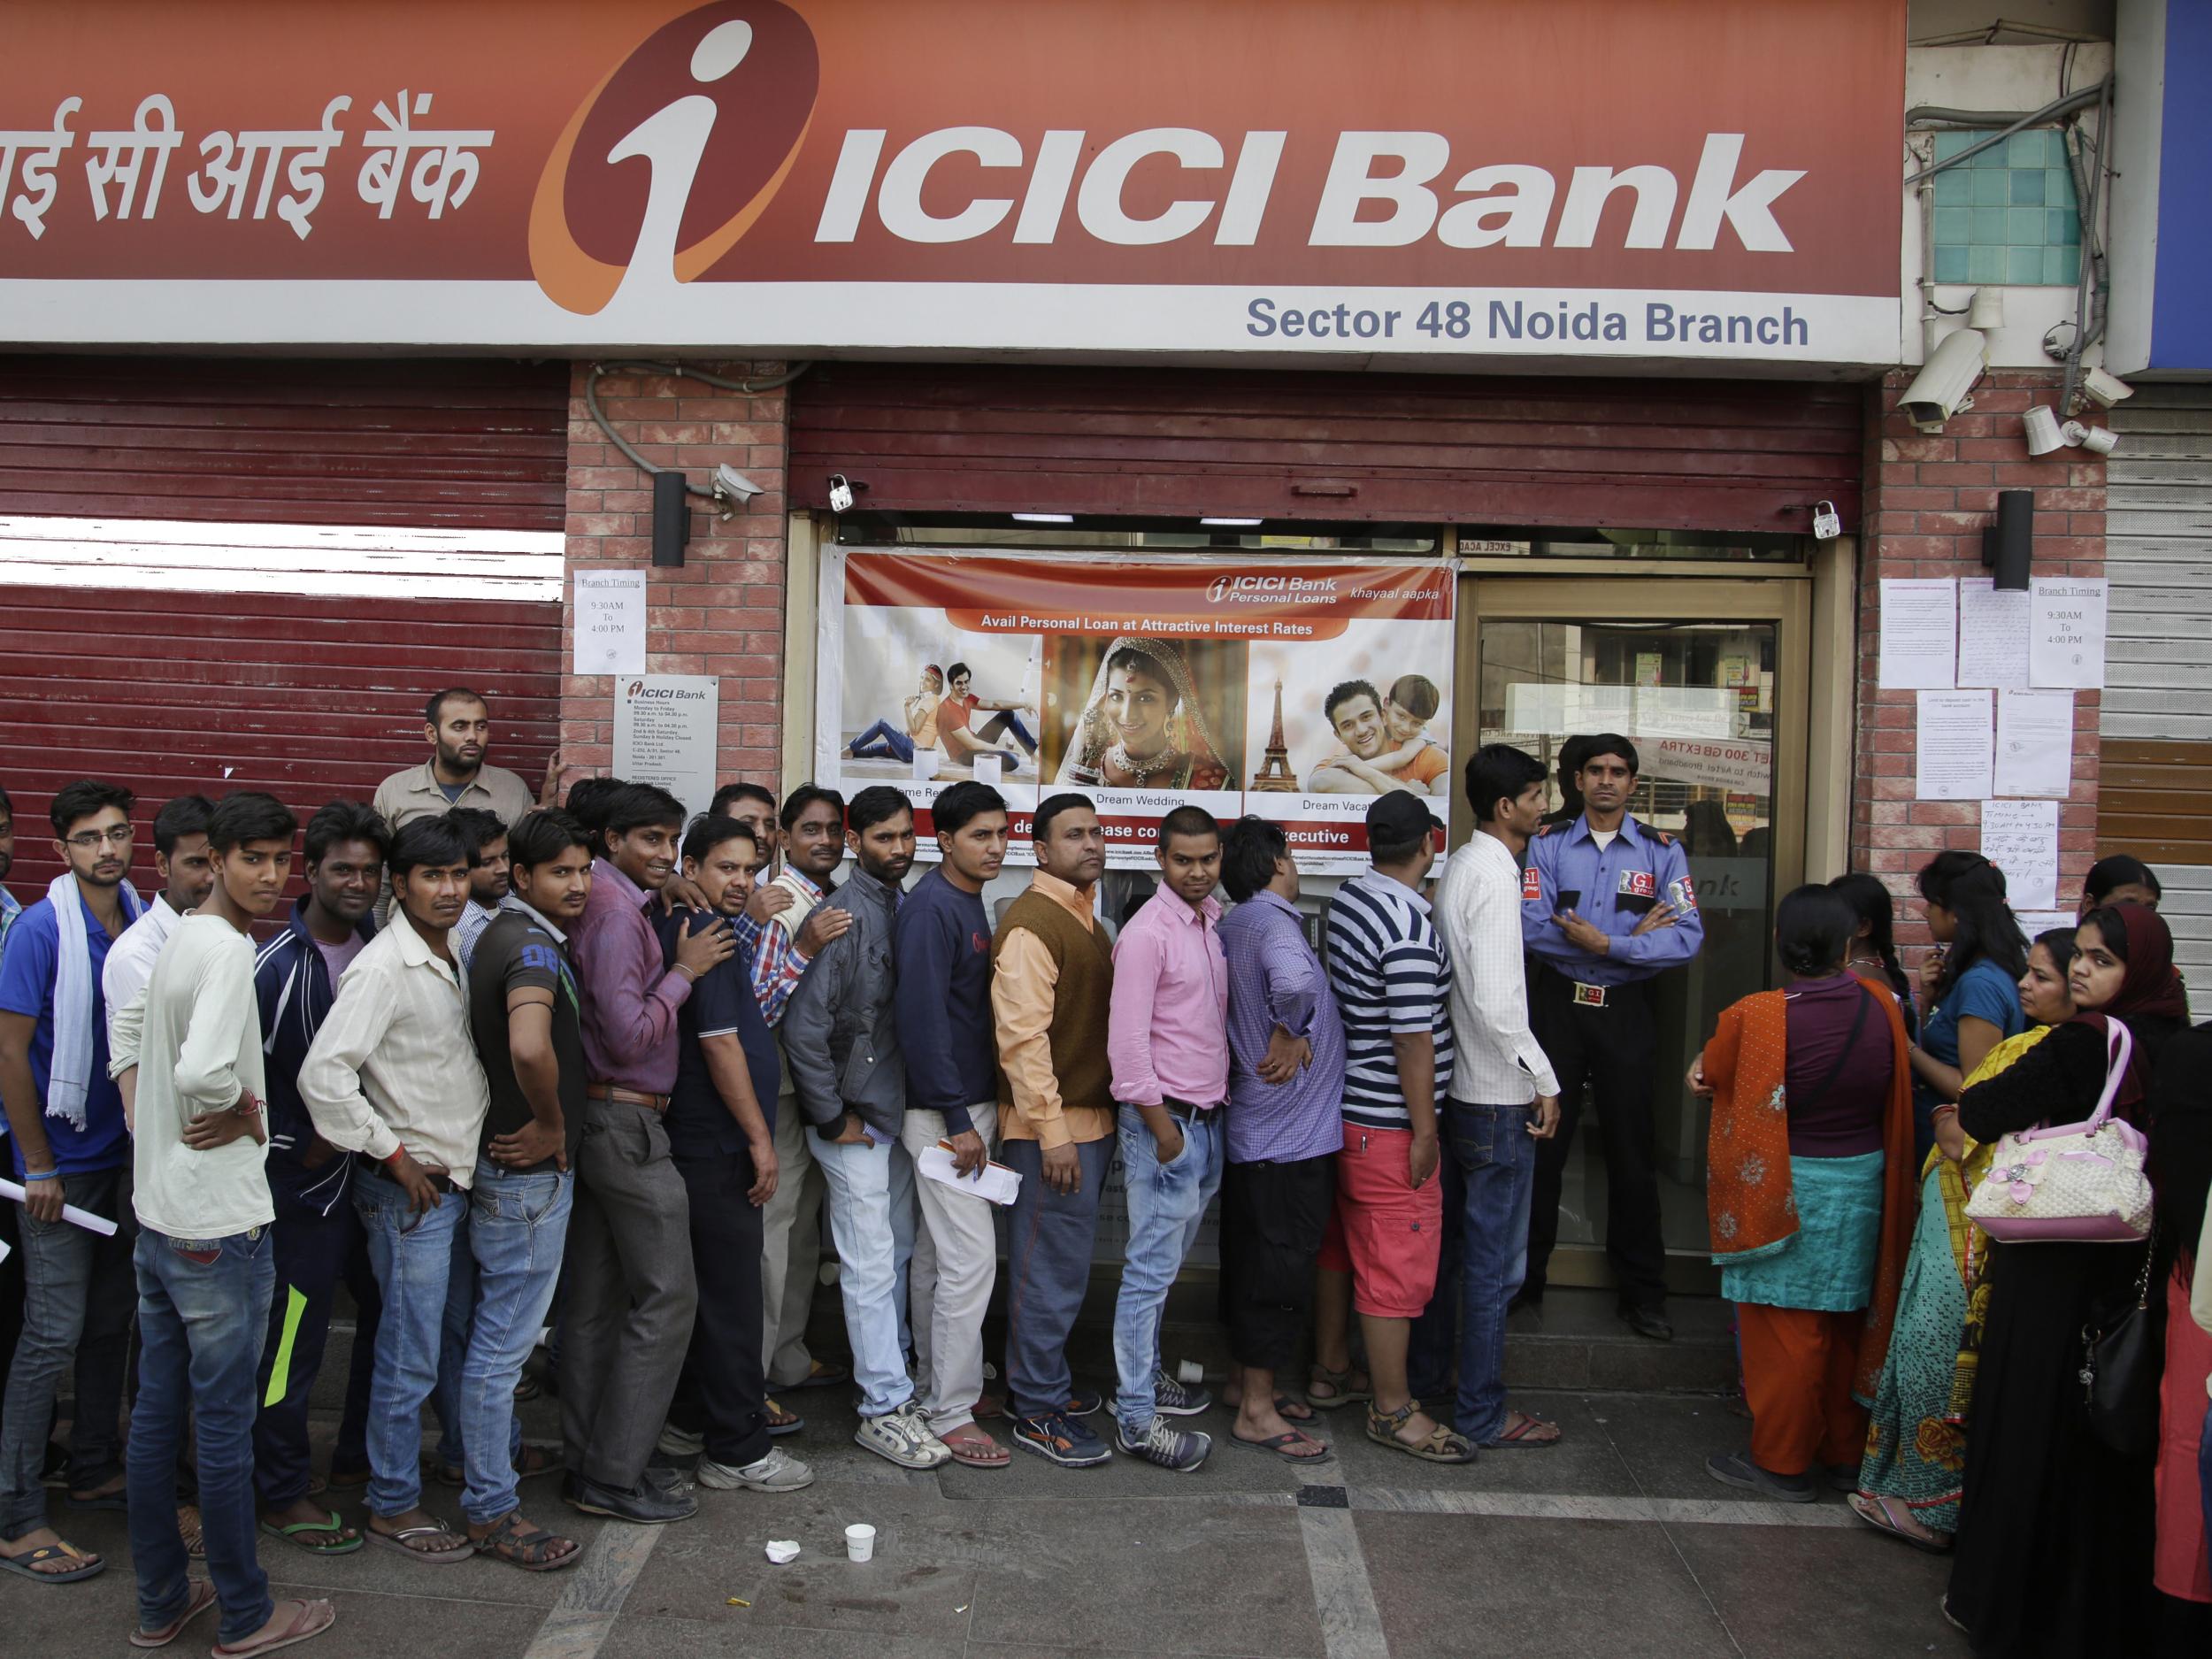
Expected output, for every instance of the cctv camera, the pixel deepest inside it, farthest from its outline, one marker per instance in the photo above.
(1939, 391)
(2104, 387)
(731, 487)
(841, 493)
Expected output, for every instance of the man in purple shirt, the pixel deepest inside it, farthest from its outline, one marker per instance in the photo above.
(631, 1291)
(1165, 1039)
(1286, 1130)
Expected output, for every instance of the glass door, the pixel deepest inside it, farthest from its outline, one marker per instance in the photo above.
(1708, 679)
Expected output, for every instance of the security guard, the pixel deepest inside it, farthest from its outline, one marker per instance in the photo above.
(1606, 904)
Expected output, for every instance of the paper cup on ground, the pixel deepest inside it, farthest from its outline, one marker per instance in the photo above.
(860, 1541)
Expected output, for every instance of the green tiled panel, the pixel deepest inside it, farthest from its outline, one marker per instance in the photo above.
(1950, 264)
(2027, 186)
(1986, 265)
(1992, 187)
(1955, 188)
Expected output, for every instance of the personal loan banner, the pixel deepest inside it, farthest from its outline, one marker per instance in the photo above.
(1296, 690)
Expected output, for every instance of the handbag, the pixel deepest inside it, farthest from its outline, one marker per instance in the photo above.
(2120, 1369)
(2081, 1183)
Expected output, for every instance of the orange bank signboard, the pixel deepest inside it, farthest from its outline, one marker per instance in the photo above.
(1375, 179)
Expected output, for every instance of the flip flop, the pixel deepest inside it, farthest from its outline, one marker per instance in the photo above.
(780, 1421)
(1280, 1445)
(978, 1453)
(1874, 1511)
(461, 1549)
(1521, 1430)
(117, 1502)
(201, 1599)
(823, 1374)
(299, 1530)
(312, 1619)
(28, 1563)
(1290, 1408)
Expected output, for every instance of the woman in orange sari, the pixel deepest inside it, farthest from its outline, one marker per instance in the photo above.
(1809, 1197)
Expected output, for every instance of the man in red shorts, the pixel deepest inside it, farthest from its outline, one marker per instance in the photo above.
(1393, 984)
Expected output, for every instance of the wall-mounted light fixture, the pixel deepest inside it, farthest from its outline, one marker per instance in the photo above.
(2007, 541)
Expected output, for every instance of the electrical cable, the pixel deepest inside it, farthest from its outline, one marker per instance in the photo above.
(672, 371)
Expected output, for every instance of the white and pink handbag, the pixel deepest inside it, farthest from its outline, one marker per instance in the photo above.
(2080, 1183)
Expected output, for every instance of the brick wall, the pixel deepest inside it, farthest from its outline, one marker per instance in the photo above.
(1927, 499)
(722, 612)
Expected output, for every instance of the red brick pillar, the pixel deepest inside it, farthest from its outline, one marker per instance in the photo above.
(1927, 499)
(722, 612)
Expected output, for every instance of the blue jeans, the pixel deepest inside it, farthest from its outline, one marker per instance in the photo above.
(453, 1351)
(518, 1224)
(203, 1310)
(414, 1258)
(1166, 1203)
(871, 1219)
(880, 740)
(1489, 1171)
(1048, 1240)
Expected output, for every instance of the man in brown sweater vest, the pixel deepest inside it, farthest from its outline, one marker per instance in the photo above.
(1052, 981)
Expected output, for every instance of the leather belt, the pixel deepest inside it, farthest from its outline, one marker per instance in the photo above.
(1186, 1109)
(626, 1097)
(439, 1179)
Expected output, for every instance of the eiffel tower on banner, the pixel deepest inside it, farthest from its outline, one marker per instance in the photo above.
(1275, 776)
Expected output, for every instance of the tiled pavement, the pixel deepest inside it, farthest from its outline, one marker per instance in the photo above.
(1614, 1542)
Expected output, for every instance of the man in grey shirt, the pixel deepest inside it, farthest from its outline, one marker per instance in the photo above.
(840, 1040)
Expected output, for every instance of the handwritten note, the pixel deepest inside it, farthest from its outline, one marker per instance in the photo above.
(2035, 743)
(1993, 636)
(1919, 635)
(609, 631)
(2066, 633)
(1953, 761)
(2021, 839)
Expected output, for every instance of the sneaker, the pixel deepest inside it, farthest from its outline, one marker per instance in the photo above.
(1178, 1399)
(1734, 1469)
(778, 1471)
(1061, 1439)
(902, 1436)
(1181, 1450)
(1083, 1403)
(675, 1442)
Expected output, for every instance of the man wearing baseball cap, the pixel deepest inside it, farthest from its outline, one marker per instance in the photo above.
(1393, 984)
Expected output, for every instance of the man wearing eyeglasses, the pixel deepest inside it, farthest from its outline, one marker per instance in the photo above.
(68, 1145)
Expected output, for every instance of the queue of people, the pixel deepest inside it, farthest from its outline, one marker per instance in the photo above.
(2032, 1406)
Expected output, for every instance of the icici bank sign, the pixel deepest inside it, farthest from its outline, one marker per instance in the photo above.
(1383, 179)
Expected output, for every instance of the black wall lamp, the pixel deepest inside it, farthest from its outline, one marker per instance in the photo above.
(2006, 541)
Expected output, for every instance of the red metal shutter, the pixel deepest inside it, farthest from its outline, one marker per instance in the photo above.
(173, 666)
(1670, 455)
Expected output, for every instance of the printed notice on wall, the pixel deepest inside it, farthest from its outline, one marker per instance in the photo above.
(1953, 761)
(1919, 635)
(609, 629)
(2021, 839)
(2066, 633)
(664, 731)
(1992, 635)
(2035, 743)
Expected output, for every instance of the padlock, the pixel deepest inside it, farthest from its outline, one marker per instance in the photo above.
(1827, 522)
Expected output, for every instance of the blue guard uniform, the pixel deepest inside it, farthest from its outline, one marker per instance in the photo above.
(1593, 1015)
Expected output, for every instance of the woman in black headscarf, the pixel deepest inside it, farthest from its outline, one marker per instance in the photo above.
(2054, 1551)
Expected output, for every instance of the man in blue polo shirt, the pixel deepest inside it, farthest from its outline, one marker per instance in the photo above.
(1606, 904)
(68, 1145)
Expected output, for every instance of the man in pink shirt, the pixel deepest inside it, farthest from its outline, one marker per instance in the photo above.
(1167, 1041)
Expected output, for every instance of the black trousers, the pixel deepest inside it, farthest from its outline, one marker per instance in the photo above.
(1273, 1216)
(1612, 1049)
(319, 1244)
(723, 1388)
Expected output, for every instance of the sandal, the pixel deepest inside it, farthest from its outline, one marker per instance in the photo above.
(200, 1598)
(1439, 1445)
(312, 1619)
(461, 1548)
(1284, 1447)
(1875, 1511)
(1290, 1408)
(343, 1539)
(974, 1448)
(190, 1529)
(780, 1421)
(28, 1563)
(1524, 1430)
(824, 1374)
(1339, 1385)
(519, 1544)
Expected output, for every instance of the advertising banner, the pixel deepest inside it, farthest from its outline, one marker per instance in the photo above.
(1297, 690)
(1385, 180)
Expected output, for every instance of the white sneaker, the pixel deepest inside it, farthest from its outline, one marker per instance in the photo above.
(903, 1436)
(675, 1442)
(778, 1471)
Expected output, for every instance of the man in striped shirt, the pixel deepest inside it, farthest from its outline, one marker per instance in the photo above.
(1392, 982)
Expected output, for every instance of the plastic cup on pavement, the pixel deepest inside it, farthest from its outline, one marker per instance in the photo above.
(860, 1541)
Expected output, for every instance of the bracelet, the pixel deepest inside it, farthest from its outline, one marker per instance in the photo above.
(391, 1159)
(41, 1175)
(1939, 1112)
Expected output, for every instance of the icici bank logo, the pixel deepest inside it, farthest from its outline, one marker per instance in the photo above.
(676, 153)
